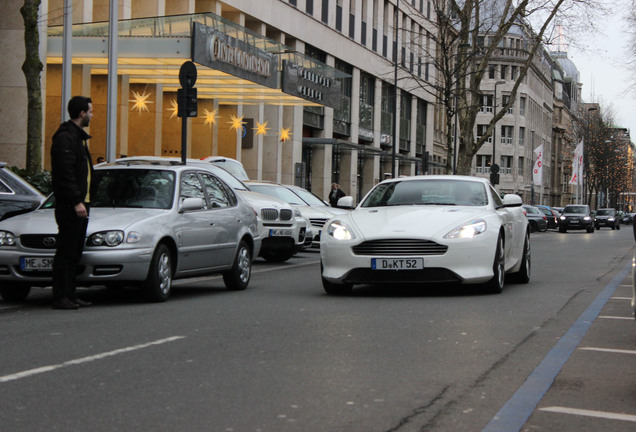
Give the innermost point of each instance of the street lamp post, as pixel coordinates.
(494, 168)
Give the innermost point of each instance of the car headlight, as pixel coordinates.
(563, 218)
(587, 218)
(297, 213)
(133, 237)
(610, 219)
(468, 230)
(106, 238)
(340, 231)
(7, 238)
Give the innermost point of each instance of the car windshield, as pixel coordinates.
(133, 188)
(575, 209)
(279, 192)
(427, 192)
(308, 197)
(605, 212)
(233, 167)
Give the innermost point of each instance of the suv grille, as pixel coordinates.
(399, 247)
(318, 222)
(269, 214)
(286, 214)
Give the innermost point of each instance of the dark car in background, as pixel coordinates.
(606, 217)
(577, 217)
(537, 221)
(17, 196)
(552, 216)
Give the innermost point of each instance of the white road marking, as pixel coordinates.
(609, 350)
(43, 369)
(616, 317)
(621, 298)
(591, 413)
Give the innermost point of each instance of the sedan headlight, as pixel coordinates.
(106, 238)
(563, 218)
(7, 238)
(468, 230)
(340, 231)
(611, 219)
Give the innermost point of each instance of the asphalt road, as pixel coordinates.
(283, 356)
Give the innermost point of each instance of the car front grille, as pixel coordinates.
(399, 247)
(318, 222)
(38, 241)
(269, 214)
(286, 214)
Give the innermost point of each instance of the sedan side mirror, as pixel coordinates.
(512, 200)
(191, 204)
(346, 202)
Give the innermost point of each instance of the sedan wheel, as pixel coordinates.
(159, 281)
(14, 292)
(523, 275)
(496, 284)
(238, 277)
(335, 289)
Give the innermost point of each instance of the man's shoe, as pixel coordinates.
(65, 303)
(81, 303)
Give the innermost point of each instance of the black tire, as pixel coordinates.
(523, 275)
(496, 284)
(238, 277)
(14, 292)
(335, 289)
(277, 255)
(533, 226)
(544, 228)
(158, 283)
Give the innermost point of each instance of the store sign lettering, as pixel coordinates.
(219, 50)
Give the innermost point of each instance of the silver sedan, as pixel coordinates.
(148, 226)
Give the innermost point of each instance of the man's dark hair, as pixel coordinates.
(77, 104)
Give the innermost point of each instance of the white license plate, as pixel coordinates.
(36, 263)
(280, 232)
(397, 263)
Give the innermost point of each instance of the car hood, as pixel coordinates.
(259, 201)
(43, 221)
(412, 221)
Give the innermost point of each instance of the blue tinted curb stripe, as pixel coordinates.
(514, 414)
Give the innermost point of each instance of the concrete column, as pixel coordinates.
(158, 119)
(122, 101)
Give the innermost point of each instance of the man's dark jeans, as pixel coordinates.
(70, 243)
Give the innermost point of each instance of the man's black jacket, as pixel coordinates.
(70, 162)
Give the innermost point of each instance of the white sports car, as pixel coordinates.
(427, 229)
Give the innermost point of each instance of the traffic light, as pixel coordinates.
(494, 178)
(191, 104)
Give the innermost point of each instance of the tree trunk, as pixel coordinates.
(32, 68)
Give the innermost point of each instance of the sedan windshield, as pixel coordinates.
(605, 212)
(427, 192)
(279, 192)
(133, 188)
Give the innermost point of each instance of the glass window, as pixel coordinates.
(191, 187)
(133, 188)
(217, 194)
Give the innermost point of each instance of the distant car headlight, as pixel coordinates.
(340, 231)
(587, 218)
(610, 219)
(7, 238)
(106, 238)
(468, 230)
(563, 218)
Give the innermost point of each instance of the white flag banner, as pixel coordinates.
(577, 165)
(537, 171)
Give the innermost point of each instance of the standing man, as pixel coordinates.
(335, 194)
(71, 169)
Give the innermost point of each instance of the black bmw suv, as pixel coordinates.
(576, 216)
(607, 217)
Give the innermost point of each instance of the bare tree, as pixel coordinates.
(468, 35)
(32, 68)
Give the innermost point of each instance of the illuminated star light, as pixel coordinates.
(174, 108)
(236, 122)
(261, 128)
(284, 134)
(140, 101)
(210, 116)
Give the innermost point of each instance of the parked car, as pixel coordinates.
(552, 216)
(17, 196)
(282, 228)
(427, 229)
(628, 218)
(536, 219)
(606, 217)
(230, 165)
(313, 208)
(148, 225)
(578, 217)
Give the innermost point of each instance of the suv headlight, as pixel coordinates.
(106, 238)
(340, 231)
(468, 230)
(7, 238)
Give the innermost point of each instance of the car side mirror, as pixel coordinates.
(346, 202)
(191, 204)
(512, 200)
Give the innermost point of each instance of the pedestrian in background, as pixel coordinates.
(335, 194)
(71, 169)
